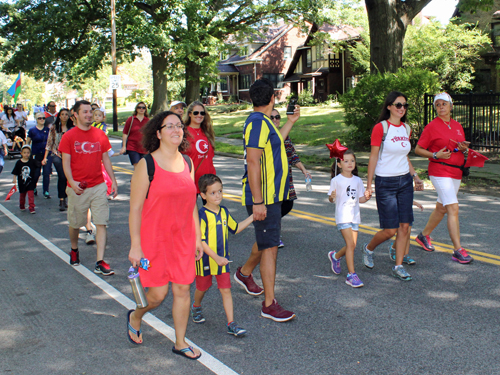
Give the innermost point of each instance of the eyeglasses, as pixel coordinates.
(170, 127)
(277, 117)
(400, 105)
(196, 113)
(141, 107)
(51, 105)
(40, 118)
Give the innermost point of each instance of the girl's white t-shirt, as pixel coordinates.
(348, 192)
(9, 123)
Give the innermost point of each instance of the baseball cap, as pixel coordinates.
(175, 102)
(26, 146)
(443, 96)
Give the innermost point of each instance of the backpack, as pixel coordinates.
(151, 168)
(385, 126)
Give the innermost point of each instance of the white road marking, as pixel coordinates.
(206, 359)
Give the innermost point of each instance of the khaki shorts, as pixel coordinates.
(78, 205)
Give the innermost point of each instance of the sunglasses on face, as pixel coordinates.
(40, 118)
(277, 117)
(196, 113)
(400, 105)
(141, 107)
(51, 106)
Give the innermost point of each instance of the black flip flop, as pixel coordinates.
(132, 329)
(183, 352)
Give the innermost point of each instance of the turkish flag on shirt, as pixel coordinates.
(475, 159)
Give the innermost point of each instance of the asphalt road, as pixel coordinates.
(59, 319)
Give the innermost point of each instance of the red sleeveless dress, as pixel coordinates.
(168, 236)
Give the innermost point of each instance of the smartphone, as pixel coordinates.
(291, 106)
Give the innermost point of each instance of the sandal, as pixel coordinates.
(133, 330)
(183, 352)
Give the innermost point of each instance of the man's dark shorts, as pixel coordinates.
(268, 231)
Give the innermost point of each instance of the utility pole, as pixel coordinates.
(113, 63)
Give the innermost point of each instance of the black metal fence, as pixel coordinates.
(479, 115)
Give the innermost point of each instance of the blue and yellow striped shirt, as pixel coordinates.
(215, 228)
(259, 132)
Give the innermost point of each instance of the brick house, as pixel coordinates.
(286, 56)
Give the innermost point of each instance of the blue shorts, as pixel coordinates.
(268, 231)
(394, 200)
(354, 226)
(134, 156)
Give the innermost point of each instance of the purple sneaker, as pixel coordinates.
(354, 281)
(461, 256)
(335, 263)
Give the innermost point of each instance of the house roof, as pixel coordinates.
(341, 32)
(226, 68)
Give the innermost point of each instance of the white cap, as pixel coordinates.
(26, 146)
(175, 102)
(443, 96)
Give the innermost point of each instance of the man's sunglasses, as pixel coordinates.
(277, 117)
(400, 105)
(141, 107)
(196, 113)
(51, 105)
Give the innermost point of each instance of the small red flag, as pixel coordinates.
(475, 159)
(12, 191)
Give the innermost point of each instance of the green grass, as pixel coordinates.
(230, 149)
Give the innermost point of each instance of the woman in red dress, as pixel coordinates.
(164, 227)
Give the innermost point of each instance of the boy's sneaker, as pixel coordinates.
(248, 283)
(281, 244)
(90, 238)
(425, 242)
(22, 208)
(233, 329)
(392, 252)
(46, 195)
(461, 256)
(197, 314)
(32, 211)
(400, 273)
(335, 263)
(409, 260)
(367, 257)
(354, 281)
(276, 312)
(104, 268)
(74, 257)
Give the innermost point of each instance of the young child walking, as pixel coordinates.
(347, 191)
(24, 176)
(215, 223)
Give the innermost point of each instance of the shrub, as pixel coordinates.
(362, 104)
(305, 98)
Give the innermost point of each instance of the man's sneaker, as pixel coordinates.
(354, 281)
(233, 329)
(90, 238)
(74, 257)
(409, 260)
(461, 256)
(276, 312)
(197, 314)
(335, 263)
(32, 211)
(248, 283)
(22, 208)
(46, 195)
(400, 273)
(392, 252)
(367, 257)
(425, 242)
(104, 268)
(281, 244)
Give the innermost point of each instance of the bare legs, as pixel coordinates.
(350, 238)
(452, 220)
(227, 301)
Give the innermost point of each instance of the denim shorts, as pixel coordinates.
(134, 156)
(394, 200)
(268, 231)
(354, 226)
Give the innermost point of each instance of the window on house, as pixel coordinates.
(287, 53)
(245, 51)
(245, 81)
(223, 84)
(319, 54)
(276, 79)
(308, 58)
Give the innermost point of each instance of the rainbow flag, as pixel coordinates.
(15, 89)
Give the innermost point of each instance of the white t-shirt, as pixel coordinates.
(393, 161)
(3, 140)
(9, 123)
(348, 192)
(20, 115)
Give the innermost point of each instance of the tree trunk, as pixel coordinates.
(193, 70)
(388, 20)
(160, 80)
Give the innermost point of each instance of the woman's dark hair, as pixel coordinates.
(57, 122)
(6, 110)
(135, 109)
(339, 170)
(150, 139)
(206, 126)
(207, 180)
(385, 113)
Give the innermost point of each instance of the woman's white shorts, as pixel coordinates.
(447, 189)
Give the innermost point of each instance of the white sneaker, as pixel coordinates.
(90, 238)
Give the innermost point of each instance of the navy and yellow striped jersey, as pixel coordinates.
(259, 132)
(215, 228)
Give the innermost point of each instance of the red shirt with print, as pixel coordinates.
(134, 139)
(201, 153)
(86, 149)
(435, 137)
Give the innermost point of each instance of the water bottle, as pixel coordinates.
(137, 289)
(308, 183)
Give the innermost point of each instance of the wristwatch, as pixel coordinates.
(434, 155)
(415, 175)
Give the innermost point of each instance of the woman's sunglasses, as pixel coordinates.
(40, 118)
(400, 105)
(196, 113)
(141, 107)
(277, 117)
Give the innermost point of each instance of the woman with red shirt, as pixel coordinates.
(201, 141)
(445, 172)
(132, 135)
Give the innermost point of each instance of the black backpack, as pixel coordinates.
(151, 168)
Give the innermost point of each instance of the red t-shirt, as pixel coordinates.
(134, 140)
(201, 152)
(435, 137)
(86, 149)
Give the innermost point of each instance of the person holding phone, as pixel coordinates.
(445, 173)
